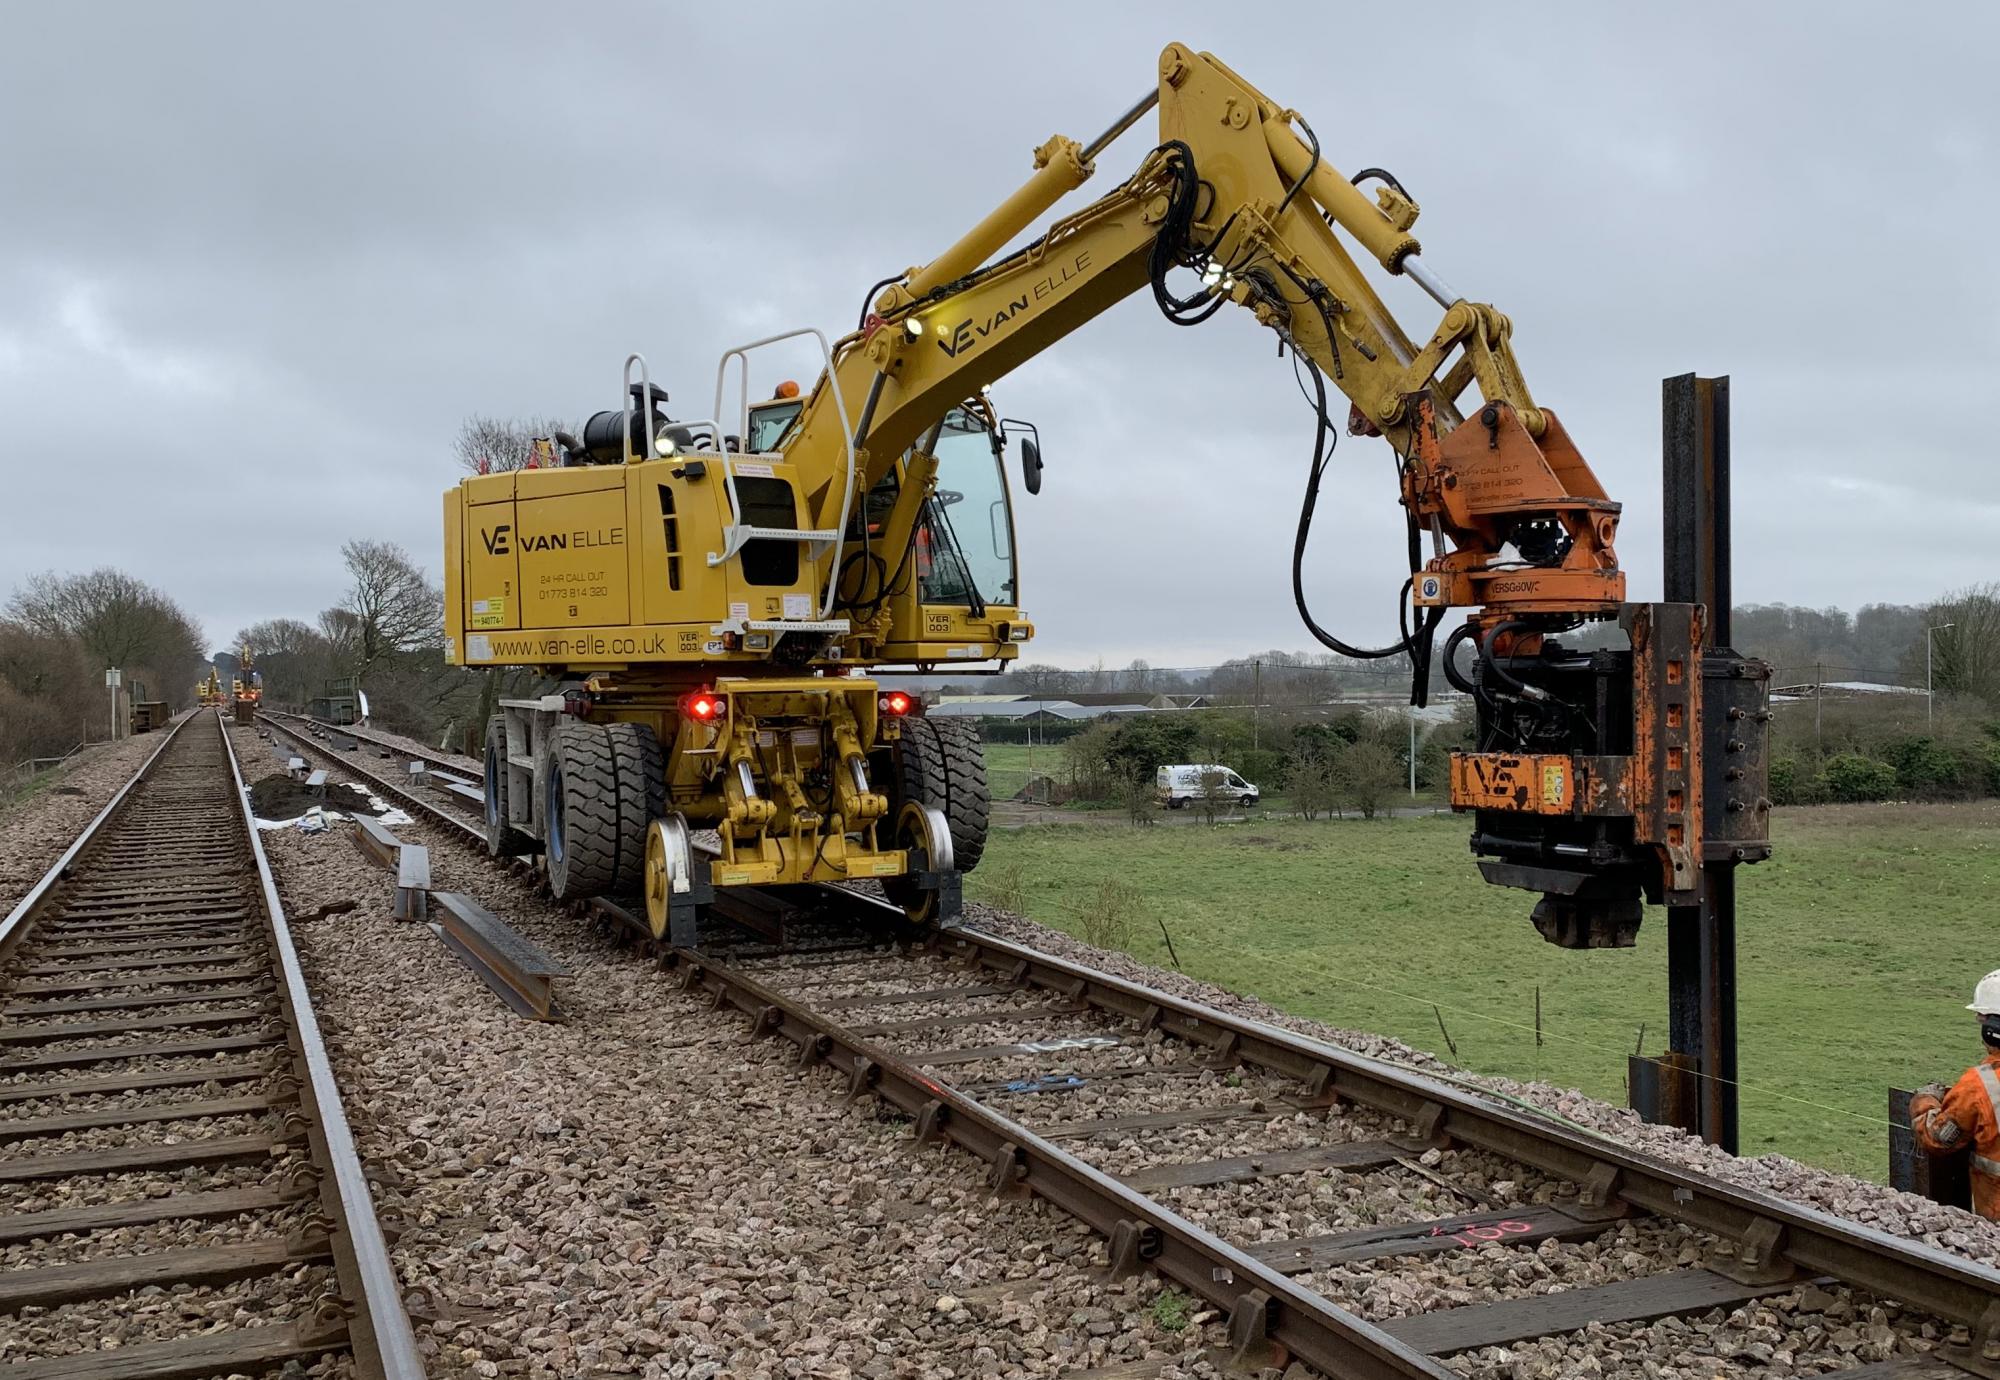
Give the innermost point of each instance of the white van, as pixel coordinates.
(1176, 786)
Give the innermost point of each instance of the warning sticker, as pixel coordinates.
(798, 606)
(478, 648)
(489, 613)
(753, 467)
(1555, 785)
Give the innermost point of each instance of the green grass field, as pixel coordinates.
(1858, 946)
(1007, 766)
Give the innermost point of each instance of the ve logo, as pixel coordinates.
(496, 540)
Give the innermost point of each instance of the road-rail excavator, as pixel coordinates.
(707, 595)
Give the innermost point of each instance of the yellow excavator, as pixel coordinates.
(208, 691)
(707, 594)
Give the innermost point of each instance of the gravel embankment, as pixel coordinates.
(470, 764)
(35, 829)
(641, 1191)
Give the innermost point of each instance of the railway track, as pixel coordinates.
(169, 1124)
(1181, 1132)
(452, 795)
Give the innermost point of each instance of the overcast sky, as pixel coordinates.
(257, 261)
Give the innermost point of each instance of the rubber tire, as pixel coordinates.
(503, 840)
(641, 768)
(581, 815)
(940, 762)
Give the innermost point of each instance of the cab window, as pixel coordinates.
(768, 425)
(966, 539)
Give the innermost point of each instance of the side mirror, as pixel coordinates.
(1031, 451)
(1031, 464)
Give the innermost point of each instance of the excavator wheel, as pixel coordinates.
(503, 840)
(581, 812)
(641, 769)
(939, 763)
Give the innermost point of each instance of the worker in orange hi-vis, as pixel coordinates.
(1967, 1115)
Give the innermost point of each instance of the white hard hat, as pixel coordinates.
(1986, 996)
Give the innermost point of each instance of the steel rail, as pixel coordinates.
(18, 918)
(1264, 1306)
(444, 761)
(360, 1250)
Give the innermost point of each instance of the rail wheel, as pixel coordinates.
(938, 762)
(503, 840)
(669, 869)
(641, 770)
(922, 831)
(581, 813)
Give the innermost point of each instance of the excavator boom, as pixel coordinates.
(1239, 190)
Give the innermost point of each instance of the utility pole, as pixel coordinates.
(1031, 746)
(1928, 709)
(1819, 698)
(1256, 703)
(1413, 751)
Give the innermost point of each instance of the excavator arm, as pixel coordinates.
(1592, 784)
(1239, 190)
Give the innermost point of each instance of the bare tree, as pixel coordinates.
(281, 637)
(1216, 797)
(342, 632)
(1367, 772)
(1140, 799)
(49, 693)
(1312, 781)
(117, 620)
(1966, 655)
(294, 658)
(1041, 681)
(498, 444)
(393, 606)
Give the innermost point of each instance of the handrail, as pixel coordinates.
(625, 391)
(741, 353)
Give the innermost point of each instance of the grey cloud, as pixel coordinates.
(256, 262)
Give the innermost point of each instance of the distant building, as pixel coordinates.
(1026, 710)
(1839, 690)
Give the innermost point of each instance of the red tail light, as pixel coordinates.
(704, 706)
(895, 702)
